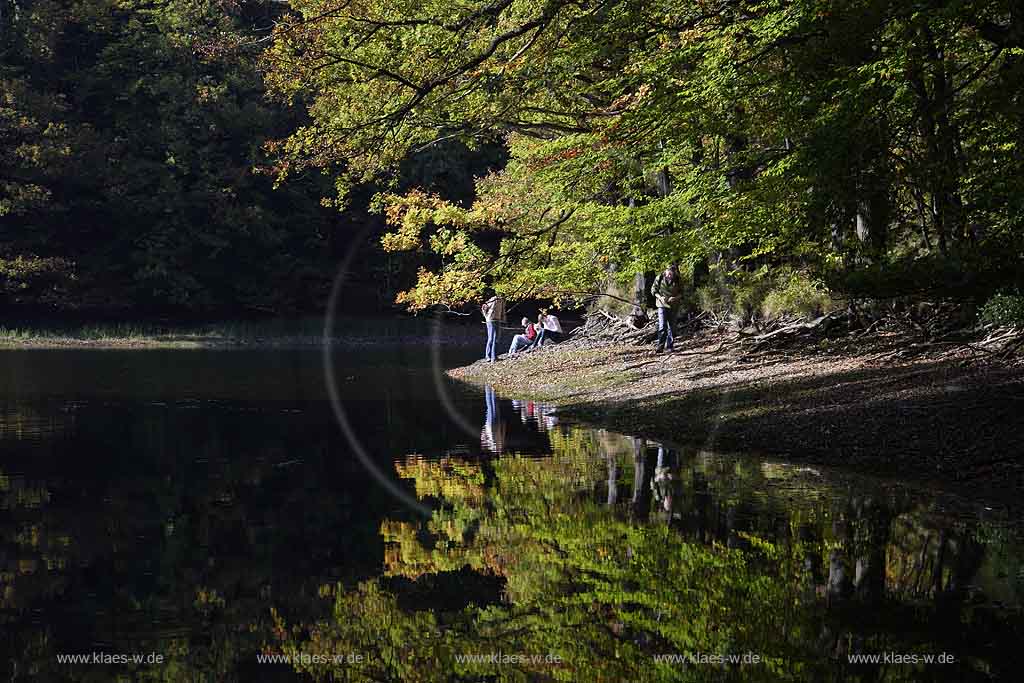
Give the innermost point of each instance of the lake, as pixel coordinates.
(212, 515)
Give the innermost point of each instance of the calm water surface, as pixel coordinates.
(205, 509)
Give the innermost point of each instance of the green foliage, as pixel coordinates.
(764, 293)
(1003, 309)
(820, 134)
(46, 278)
(127, 150)
(740, 293)
(796, 294)
(852, 140)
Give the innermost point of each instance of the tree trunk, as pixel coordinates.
(838, 587)
(940, 564)
(941, 141)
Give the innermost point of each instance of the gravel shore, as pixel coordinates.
(942, 419)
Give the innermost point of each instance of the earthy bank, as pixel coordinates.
(948, 419)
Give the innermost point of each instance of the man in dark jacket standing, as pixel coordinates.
(668, 292)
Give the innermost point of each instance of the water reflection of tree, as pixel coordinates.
(149, 569)
(596, 580)
(138, 549)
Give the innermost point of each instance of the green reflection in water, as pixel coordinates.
(611, 555)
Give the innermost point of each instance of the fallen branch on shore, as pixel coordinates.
(912, 334)
(799, 328)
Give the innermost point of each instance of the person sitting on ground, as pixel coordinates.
(668, 292)
(522, 341)
(539, 326)
(549, 329)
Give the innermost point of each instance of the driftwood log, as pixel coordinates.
(913, 333)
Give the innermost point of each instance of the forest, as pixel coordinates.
(198, 156)
(134, 169)
(234, 424)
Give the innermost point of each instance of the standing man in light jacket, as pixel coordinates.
(494, 314)
(668, 292)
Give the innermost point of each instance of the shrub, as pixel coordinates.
(796, 294)
(714, 298)
(749, 293)
(1003, 309)
(739, 293)
(769, 294)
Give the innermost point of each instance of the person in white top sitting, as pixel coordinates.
(549, 329)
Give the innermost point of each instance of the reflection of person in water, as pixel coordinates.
(492, 437)
(641, 503)
(546, 418)
(661, 483)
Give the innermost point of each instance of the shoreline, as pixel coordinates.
(214, 343)
(934, 419)
(272, 333)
